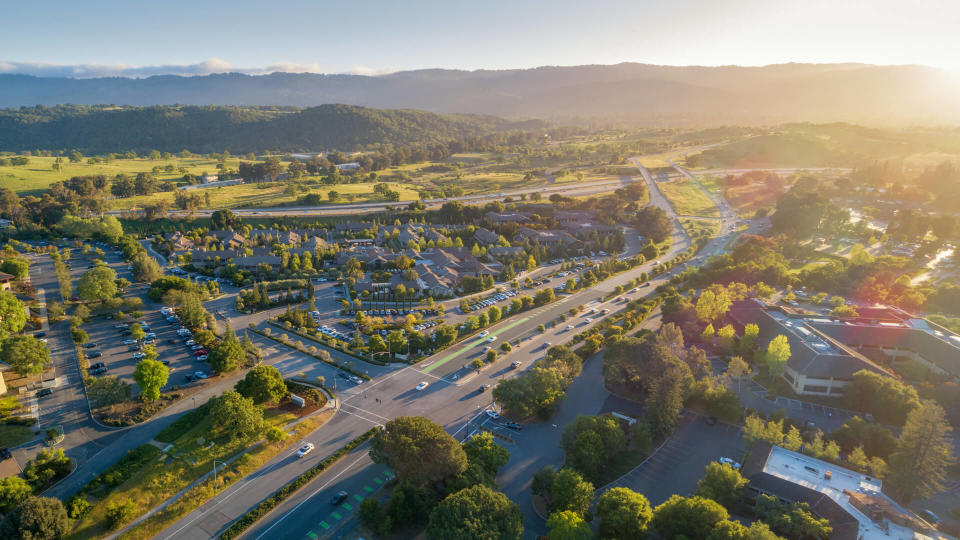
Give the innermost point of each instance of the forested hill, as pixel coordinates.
(101, 129)
(624, 93)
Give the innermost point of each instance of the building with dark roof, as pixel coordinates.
(853, 503)
(819, 364)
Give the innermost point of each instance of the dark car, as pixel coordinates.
(190, 377)
(5, 453)
(90, 345)
(94, 354)
(339, 497)
(98, 365)
(513, 425)
(44, 392)
(39, 335)
(98, 371)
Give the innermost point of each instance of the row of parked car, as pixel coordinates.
(491, 300)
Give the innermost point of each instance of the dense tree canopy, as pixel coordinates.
(623, 513)
(418, 450)
(475, 513)
(263, 384)
(37, 518)
(27, 354)
(13, 315)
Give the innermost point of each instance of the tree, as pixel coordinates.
(13, 315)
(888, 399)
(18, 268)
(13, 491)
(108, 390)
(749, 339)
(482, 450)
(590, 442)
(418, 450)
(137, 332)
(225, 219)
(119, 513)
(238, 415)
(27, 354)
(778, 352)
(227, 355)
(924, 452)
(567, 525)
(276, 435)
(623, 513)
(79, 335)
(570, 492)
(476, 512)
(37, 518)
(49, 465)
(791, 520)
(733, 530)
(792, 440)
(263, 384)
(688, 517)
(98, 283)
(376, 344)
(150, 376)
(145, 268)
(722, 483)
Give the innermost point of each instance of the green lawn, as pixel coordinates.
(191, 458)
(687, 199)
(11, 436)
(698, 227)
(39, 174)
(713, 184)
(270, 194)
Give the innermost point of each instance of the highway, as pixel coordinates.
(453, 399)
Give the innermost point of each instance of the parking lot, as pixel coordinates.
(682, 460)
(119, 359)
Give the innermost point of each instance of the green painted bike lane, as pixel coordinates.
(346, 508)
(471, 345)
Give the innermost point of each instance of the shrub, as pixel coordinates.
(119, 513)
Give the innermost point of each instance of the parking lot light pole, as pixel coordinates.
(215, 473)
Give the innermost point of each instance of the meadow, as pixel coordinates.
(687, 198)
(39, 173)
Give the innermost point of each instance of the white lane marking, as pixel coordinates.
(365, 411)
(318, 490)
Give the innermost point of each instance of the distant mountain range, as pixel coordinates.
(627, 93)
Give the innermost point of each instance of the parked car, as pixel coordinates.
(129, 342)
(190, 377)
(97, 365)
(94, 354)
(39, 334)
(139, 356)
(202, 357)
(200, 375)
(44, 392)
(98, 371)
(199, 352)
(89, 345)
(730, 462)
(492, 413)
(305, 449)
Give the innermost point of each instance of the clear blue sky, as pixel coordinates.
(90, 37)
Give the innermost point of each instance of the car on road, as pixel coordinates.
(484, 333)
(569, 327)
(44, 392)
(492, 413)
(588, 320)
(94, 354)
(422, 385)
(484, 387)
(491, 339)
(339, 497)
(305, 449)
(515, 364)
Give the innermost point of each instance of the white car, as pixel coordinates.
(569, 327)
(138, 355)
(129, 342)
(422, 385)
(491, 339)
(202, 357)
(305, 449)
(484, 333)
(492, 414)
(200, 375)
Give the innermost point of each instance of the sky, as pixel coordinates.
(137, 38)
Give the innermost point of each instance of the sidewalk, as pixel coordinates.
(331, 404)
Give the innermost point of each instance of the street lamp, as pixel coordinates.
(215, 473)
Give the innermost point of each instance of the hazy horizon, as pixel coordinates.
(369, 37)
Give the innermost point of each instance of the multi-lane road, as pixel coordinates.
(453, 399)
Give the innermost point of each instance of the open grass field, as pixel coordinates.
(746, 200)
(270, 194)
(11, 436)
(39, 174)
(157, 481)
(572, 179)
(712, 183)
(687, 199)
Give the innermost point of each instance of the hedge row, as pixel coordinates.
(122, 470)
(262, 509)
(183, 424)
(349, 352)
(332, 362)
